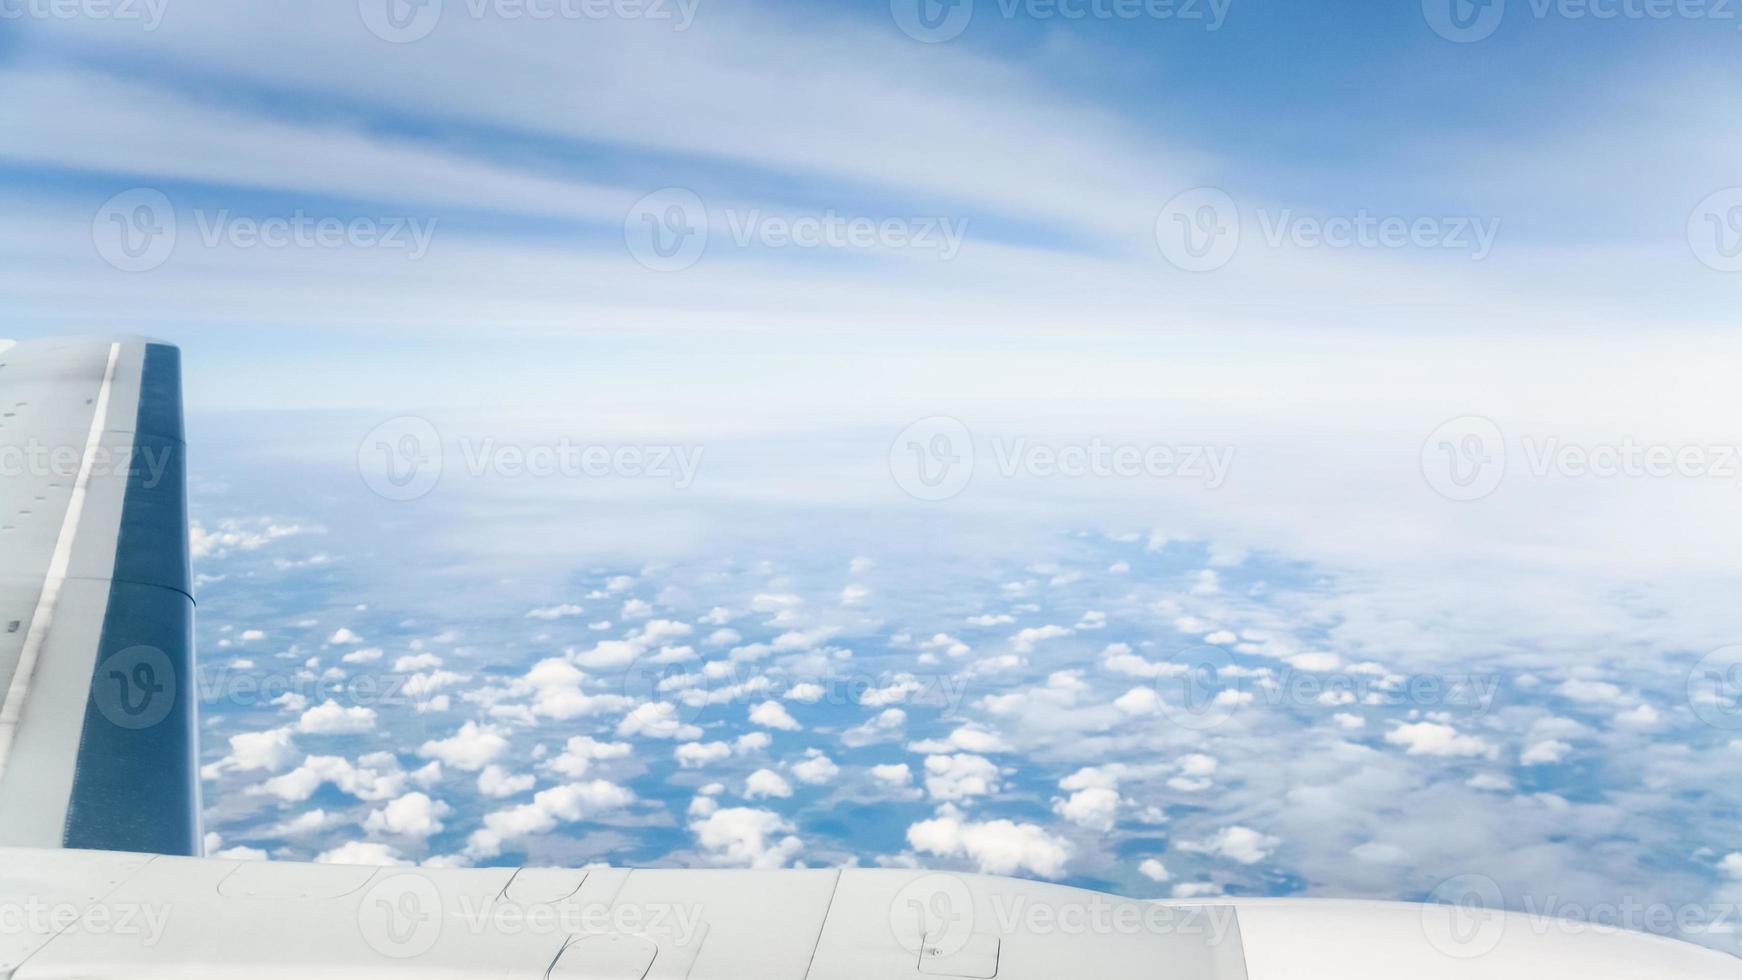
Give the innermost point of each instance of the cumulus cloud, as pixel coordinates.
(766, 783)
(470, 749)
(695, 755)
(960, 776)
(1239, 844)
(496, 783)
(581, 751)
(366, 853)
(657, 719)
(772, 714)
(548, 809)
(747, 838)
(815, 769)
(330, 718)
(413, 815)
(998, 847)
(1435, 739)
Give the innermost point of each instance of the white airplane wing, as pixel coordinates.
(97, 741)
(98, 797)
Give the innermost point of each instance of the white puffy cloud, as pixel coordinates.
(1240, 844)
(1025, 639)
(581, 751)
(1589, 691)
(1546, 752)
(1432, 738)
(805, 693)
(330, 718)
(1139, 702)
(412, 815)
(897, 776)
(1095, 808)
(772, 714)
(998, 847)
(816, 769)
(1154, 870)
(366, 853)
(270, 750)
(657, 719)
(496, 782)
(748, 838)
(766, 783)
(470, 749)
(960, 776)
(548, 809)
(371, 779)
(694, 755)
(552, 613)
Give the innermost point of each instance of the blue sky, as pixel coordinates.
(1410, 286)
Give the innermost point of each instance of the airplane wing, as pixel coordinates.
(98, 747)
